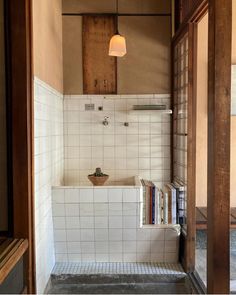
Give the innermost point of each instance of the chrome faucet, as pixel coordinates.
(105, 121)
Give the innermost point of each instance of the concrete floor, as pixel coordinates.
(201, 258)
(119, 278)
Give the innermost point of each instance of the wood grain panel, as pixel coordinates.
(219, 105)
(99, 69)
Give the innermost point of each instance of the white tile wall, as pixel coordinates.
(142, 149)
(48, 113)
(104, 226)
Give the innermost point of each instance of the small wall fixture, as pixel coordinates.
(117, 45)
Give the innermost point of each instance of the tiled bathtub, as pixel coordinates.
(103, 224)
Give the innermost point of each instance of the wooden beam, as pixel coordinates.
(191, 147)
(20, 93)
(219, 87)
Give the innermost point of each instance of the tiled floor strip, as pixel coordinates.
(116, 268)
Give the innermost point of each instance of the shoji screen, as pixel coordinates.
(180, 116)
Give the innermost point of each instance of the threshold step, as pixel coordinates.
(125, 268)
(117, 278)
(137, 288)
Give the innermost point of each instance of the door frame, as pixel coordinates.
(19, 92)
(218, 128)
(188, 237)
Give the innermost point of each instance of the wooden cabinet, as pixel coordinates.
(99, 69)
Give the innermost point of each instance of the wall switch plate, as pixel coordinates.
(89, 107)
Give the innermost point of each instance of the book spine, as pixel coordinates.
(174, 206)
(158, 207)
(153, 204)
(150, 204)
(177, 202)
(144, 203)
(147, 205)
(165, 209)
(156, 203)
(169, 207)
(162, 209)
(181, 206)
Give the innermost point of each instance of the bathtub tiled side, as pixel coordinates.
(103, 225)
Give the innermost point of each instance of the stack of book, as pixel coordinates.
(175, 193)
(152, 203)
(163, 207)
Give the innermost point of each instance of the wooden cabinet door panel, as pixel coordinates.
(99, 69)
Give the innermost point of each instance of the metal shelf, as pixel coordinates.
(148, 112)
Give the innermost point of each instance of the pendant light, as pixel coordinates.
(117, 45)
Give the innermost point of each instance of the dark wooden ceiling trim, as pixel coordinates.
(119, 14)
(196, 10)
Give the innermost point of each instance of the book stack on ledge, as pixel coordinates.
(165, 206)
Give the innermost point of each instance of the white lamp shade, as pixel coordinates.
(117, 46)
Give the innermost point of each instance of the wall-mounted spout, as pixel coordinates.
(105, 121)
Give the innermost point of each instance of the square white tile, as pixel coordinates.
(100, 195)
(101, 234)
(74, 247)
(73, 235)
(115, 195)
(87, 234)
(115, 222)
(58, 195)
(86, 195)
(129, 195)
(129, 222)
(59, 223)
(129, 234)
(101, 209)
(115, 235)
(73, 222)
(86, 209)
(101, 247)
(101, 222)
(86, 222)
(72, 195)
(87, 247)
(115, 209)
(72, 209)
(115, 247)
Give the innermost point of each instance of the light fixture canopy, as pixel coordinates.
(117, 45)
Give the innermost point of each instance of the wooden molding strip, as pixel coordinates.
(11, 255)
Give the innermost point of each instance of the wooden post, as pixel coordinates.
(219, 87)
